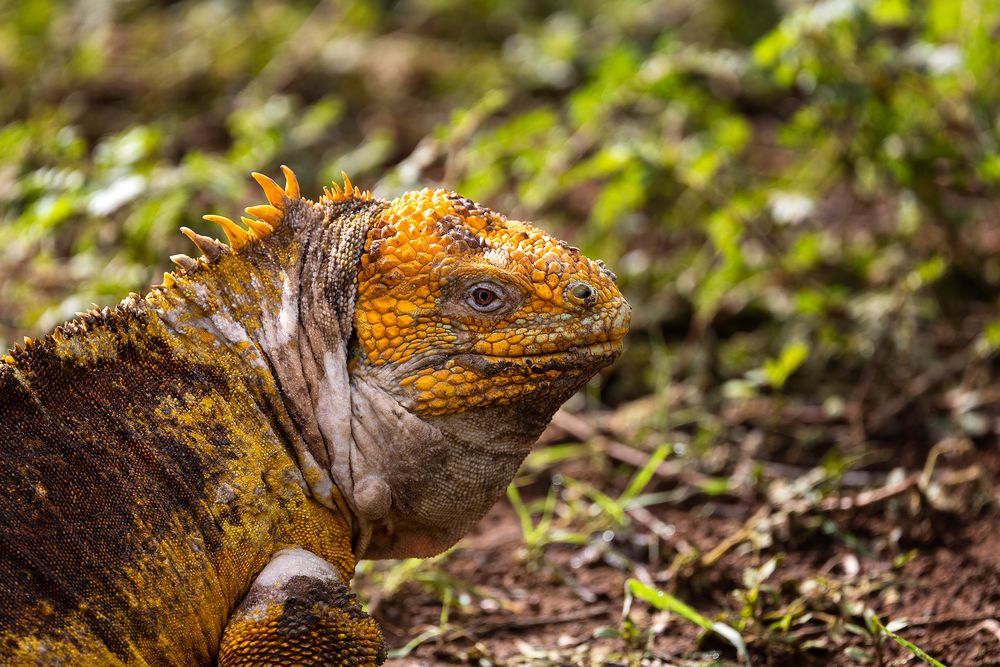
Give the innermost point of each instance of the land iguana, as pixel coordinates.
(190, 477)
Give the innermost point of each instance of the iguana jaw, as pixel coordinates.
(415, 485)
(419, 483)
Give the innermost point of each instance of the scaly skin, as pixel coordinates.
(192, 476)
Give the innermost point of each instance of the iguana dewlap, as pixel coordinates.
(191, 476)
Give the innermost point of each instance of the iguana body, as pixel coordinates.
(192, 476)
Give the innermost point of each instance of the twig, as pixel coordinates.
(917, 387)
(951, 620)
(667, 533)
(486, 627)
(667, 469)
(871, 496)
(989, 625)
(584, 431)
(745, 532)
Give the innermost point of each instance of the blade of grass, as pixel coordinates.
(876, 625)
(411, 645)
(644, 474)
(663, 600)
(523, 515)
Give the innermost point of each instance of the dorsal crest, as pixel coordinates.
(348, 192)
(260, 221)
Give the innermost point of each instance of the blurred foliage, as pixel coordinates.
(799, 198)
(788, 190)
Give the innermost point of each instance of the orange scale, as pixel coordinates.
(465, 389)
(424, 254)
(444, 390)
(383, 303)
(388, 260)
(406, 253)
(424, 382)
(405, 306)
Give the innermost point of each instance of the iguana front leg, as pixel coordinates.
(299, 611)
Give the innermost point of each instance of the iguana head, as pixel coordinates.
(460, 309)
(422, 344)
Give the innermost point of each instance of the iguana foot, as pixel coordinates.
(299, 611)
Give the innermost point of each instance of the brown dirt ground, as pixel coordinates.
(949, 592)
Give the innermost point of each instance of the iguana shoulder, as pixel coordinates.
(347, 377)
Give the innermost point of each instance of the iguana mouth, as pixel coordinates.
(575, 357)
(587, 353)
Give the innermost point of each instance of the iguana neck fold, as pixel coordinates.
(285, 306)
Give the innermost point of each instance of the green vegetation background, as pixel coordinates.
(799, 198)
(784, 188)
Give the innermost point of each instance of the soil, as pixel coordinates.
(942, 576)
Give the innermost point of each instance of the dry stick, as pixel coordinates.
(744, 533)
(870, 497)
(665, 532)
(862, 499)
(484, 628)
(989, 625)
(584, 431)
(919, 385)
(950, 620)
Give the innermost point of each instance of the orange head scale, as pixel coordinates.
(477, 311)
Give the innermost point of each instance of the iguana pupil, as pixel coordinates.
(484, 297)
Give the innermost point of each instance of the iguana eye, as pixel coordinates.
(484, 297)
(581, 293)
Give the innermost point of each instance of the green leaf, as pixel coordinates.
(874, 623)
(644, 474)
(666, 601)
(777, 371)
